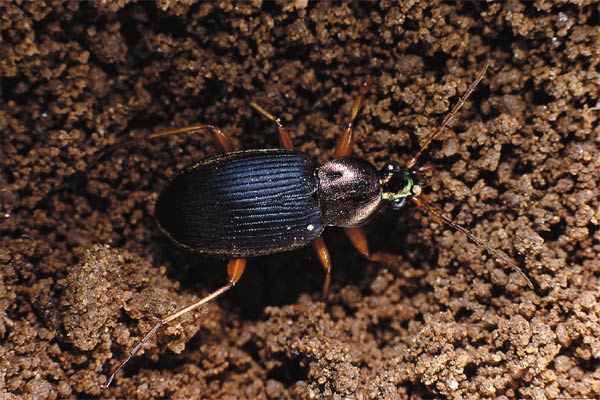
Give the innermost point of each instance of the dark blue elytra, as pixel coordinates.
(243, 203)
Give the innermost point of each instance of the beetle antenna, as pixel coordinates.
(423, 203)
(448, 117)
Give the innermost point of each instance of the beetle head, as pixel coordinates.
(399, 184)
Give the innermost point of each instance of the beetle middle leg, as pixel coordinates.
(235, 269)
(222, 140)
(218, 135)
(318, 244)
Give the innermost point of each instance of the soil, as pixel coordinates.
(84, 269)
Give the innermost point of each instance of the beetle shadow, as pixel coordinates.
(273, 280)
(280, 279)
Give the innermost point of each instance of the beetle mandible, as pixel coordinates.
(240, 204)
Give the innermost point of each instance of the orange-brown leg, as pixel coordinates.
(359, 241)
(323, 253)
(344, 143)
(284, 137)
(219, 136)
(235, 269)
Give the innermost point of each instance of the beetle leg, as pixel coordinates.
(344, 144)
(323, 253)
(284, 137)
(359, 241)
(218, 135)
(235, 269)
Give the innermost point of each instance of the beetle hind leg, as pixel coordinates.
(235, 269)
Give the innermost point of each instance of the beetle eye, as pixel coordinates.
(392, 166)
(399, 203)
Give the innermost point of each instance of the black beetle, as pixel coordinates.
(255, 202)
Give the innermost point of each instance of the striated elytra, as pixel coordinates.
(243, 204)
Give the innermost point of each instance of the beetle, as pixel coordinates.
(241, 204)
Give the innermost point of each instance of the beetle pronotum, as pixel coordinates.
(255, 202)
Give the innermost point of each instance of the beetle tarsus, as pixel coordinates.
(222, 140)
(134, 350)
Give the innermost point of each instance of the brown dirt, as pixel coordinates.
(84, 268)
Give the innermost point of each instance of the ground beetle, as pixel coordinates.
(241, 204)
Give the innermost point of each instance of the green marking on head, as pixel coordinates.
(391, 193)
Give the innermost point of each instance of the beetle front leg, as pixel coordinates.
(284, 137)
(235, 269)
(344, 144)
(323, 253)
(359, 241)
